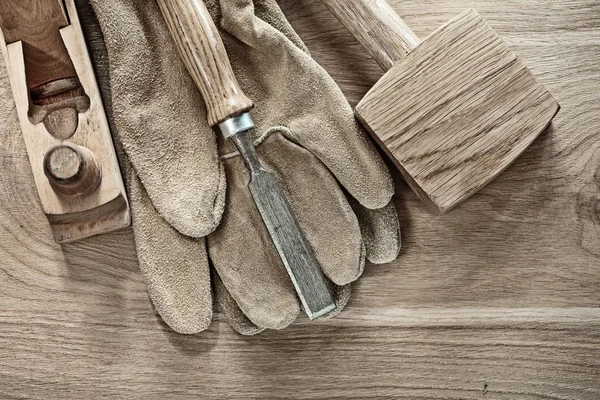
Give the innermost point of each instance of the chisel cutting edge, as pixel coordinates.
(204, 55)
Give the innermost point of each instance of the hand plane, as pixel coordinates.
(62, 118)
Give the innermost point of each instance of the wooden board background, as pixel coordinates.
(499, 299)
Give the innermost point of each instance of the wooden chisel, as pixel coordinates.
(205, 57)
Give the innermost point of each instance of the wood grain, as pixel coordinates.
(205, 57)
(70, 215)
(498, 299)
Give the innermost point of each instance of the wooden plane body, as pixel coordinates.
(64, 125)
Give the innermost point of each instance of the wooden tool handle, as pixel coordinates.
(377, 27)
(37, 24)
(72, 170)
(204, 55)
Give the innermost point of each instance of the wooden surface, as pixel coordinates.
(456, 111)
(205, 57)
(100, 207)
(498, 299)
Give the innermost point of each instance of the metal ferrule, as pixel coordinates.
(237, 124)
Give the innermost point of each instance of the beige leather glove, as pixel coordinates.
(176, 168)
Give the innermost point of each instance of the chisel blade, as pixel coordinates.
(291, 244)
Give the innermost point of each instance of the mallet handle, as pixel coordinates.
(205, 57)
(377, 27)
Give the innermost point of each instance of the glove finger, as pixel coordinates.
(341, 295)
(330, 132)
(236, 318)
(380, 230)
(243, 253)
(160, 117)
(174, 266)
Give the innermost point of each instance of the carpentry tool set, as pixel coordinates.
(452, 112)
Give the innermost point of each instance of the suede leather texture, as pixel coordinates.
(194, 219)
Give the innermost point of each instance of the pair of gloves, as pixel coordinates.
(194, 219)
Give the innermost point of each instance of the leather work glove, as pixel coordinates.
(176, 167)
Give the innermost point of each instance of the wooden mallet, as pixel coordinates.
(452, 111)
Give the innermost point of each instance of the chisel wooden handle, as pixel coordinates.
(377, 27)
(204, 55)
